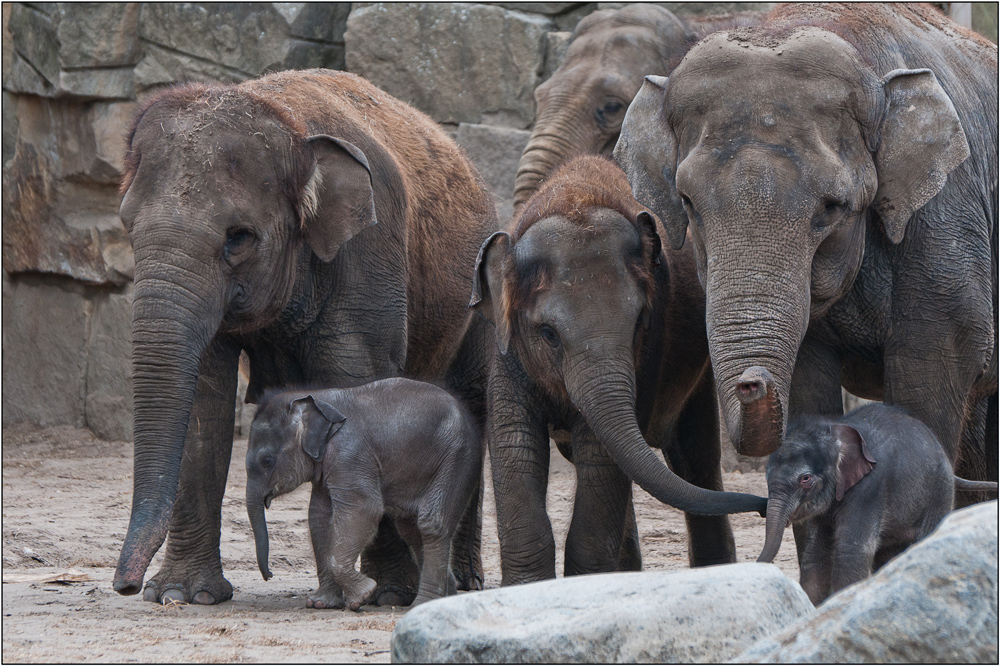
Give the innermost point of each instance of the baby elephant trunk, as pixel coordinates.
(778, 512)
(255, 511)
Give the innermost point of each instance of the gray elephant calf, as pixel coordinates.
(394, 447)
(864, 487)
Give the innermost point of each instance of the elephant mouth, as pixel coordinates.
(267, 500)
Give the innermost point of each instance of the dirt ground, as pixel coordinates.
(66, 501)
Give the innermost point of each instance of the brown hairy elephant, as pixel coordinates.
(601, 335)
(581, 107)
(837, 170)
(326, 229)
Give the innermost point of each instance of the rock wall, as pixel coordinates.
(72, 76)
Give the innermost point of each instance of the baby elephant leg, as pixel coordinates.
(353, 526)
(436, 579)
(328, 594)
(854, 554)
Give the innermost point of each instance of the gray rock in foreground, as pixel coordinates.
(935, 603)
(708, 614)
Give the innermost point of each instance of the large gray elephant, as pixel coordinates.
(581, 106)
(845, 224)
(601, 335)
(330, 232)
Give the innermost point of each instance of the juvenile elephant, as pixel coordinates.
(581, 107)
(844, 222)
(397, 447)
(863, 488)
(600, 334)
(327, 230)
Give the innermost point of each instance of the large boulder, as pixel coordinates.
(109, 367)
(60, 192)
(697, 615)
(935, 603)
(459, 63)
(74, 49)
(233, 42)
(495, 151)
(44, 354)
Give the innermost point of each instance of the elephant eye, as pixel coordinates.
(807, 481)
(549, 335)
(267, 461)
(833, 210)
(612, 106)
(238, 241)
(689, 209)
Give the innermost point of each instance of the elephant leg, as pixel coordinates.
(976, 461)
(816, 380)
(192, 565)
(694, 454)
(631, 555)
(814, 547)
(519, 456)
(603, 496)
(467, 380)
(329, 594)
(389, 560)
(350, 529)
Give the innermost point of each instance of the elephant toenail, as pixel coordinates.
(171, 596)
(149, 594)
(204, 598)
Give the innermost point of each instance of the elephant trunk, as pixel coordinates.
(171, 328)
(604, 392)
(779, 510)
(255, 512)
(556, 139)
(754, 340)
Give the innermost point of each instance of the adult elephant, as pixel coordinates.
(321, 226)
(581, 106)
(845, 224)
(601, 335)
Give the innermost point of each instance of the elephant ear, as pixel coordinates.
(316, 422)
(337, 202)
(487, 285)
(922, 141)
(854, 460)
(647, 152)
(647, 228)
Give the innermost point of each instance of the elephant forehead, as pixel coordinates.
(605, 238)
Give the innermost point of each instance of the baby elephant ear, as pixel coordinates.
(317, 422)
(487, 285)
(854, 459)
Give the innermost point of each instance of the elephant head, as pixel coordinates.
(288, 440)
(581, 107)
(779, 152)
(816, 465)
(572, 292)
(225, 196)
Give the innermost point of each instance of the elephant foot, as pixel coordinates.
(362, 594)
(389, 594)
(321, 599)
(468, 578)
(206, 590)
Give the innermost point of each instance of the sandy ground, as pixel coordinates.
(66, 500)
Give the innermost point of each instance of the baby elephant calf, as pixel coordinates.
(397, 447)
(859, 489)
